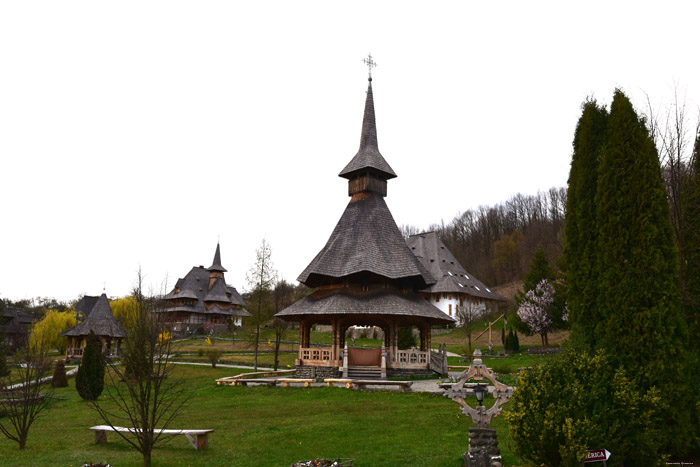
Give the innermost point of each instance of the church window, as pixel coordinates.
(449, 307)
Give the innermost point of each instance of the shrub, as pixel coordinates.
(90, 380)
(213, 355)
(59, 380)
(578, 401)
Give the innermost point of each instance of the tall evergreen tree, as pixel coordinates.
(638, 299)
(690, 250)
(90, 380)
(581, 233)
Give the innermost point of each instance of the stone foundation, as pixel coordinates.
(407, 373)
(317, 372)
(483, 449)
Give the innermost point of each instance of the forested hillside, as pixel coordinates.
(496, 243)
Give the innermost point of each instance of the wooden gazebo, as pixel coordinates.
(366, 275)
(97, 317)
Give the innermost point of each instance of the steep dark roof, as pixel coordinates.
(368, 157)
(15, 322)
(99, 320)
(350, 301)
(451, 276)
(85, 305)
(19, 316)
(366, 239)
(195, 285)
(216, 265)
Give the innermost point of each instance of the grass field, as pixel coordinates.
(261, 426)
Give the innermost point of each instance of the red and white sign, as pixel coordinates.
(597, 455)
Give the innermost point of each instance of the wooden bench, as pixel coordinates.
(331, 381)
(287, 381)
(361, 383)
(197, 438)
(246, 382)
(232, 380)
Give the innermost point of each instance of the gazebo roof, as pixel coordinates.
(349, 301)
(99, 320)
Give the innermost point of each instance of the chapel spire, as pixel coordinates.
(216, 266)
(368, 170)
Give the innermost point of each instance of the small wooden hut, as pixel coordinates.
(101, 321)
(366, 275)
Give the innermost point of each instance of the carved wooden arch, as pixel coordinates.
(478, 371)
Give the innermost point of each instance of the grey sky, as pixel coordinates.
(141, 132)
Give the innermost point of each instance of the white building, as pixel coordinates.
(456, 291)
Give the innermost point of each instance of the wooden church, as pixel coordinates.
(203, 301)
(366, 275)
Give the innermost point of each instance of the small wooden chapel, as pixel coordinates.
(366, 275)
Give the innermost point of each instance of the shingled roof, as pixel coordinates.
(451, 276)
(195, 285)
(366, 239)
(216, 265)
(85, 305)
(368, 157)
(351, 301)
(99, 320)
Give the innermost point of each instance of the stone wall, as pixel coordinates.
(306, 371)
(407, 373)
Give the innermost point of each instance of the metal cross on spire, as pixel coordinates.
(370, 64)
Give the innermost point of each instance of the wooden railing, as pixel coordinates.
(412, 358)
(438, 360)
(319, 354)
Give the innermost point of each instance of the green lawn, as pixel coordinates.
(261, 426)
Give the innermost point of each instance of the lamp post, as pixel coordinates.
(479, 393)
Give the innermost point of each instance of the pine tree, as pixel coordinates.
(640, 321)
(90, 379)
(581, 233)
(59, 380)
(539, 270)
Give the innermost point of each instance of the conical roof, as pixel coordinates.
(216, 266)
(368, 157)
(366, 239)
(100, 320)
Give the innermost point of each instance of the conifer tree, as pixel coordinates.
(638, 301)
(60, 379)
(90, 379)
(690, 251)
(580, 242)
(539, 270)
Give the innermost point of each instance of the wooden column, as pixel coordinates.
(336, 339)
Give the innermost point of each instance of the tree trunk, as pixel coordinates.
(257, 341)
(23, 440)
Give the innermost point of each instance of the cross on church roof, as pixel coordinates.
(370, 64)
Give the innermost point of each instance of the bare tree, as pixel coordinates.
(282, 297)
(674, 136)
(21, 399)
(140, 393)
(260, 279)
(467, 314)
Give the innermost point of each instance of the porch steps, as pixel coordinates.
(364, 372)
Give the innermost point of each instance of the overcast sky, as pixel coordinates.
(140, 133)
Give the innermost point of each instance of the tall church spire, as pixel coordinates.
(216, 266)
(368, 159)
